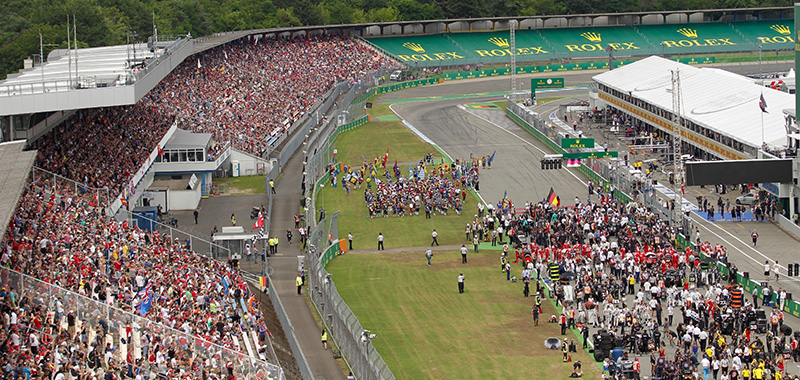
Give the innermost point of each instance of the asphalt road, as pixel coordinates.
(516, 167)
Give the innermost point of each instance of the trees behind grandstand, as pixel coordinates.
(109, 22)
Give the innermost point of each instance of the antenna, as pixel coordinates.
(41, 57)
(513, 37)
(69, 54)
(155, 35)
(677, 161)
(75, 39)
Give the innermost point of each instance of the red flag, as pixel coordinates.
(260, 221)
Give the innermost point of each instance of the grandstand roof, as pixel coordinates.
(183, 139)
(14, 173)
(716, 99)
(104, 65)
(105, 77)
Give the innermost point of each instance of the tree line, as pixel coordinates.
(113, 22)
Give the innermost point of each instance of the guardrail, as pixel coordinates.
(117, 321)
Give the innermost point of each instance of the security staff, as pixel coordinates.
(299, 282)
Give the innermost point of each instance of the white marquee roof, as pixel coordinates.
(713, 98)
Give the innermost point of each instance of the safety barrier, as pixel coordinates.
(117, 322)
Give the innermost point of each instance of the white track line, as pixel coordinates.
(526, 142)
(757, 261)
(428, 140)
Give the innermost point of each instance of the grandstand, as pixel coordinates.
(143, 284)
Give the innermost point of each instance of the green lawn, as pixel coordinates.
(413, 231)
(426, 330)
(380, 109)
(253, 184)
(374, 137)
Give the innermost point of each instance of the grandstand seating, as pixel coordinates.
(92, 269)
(88, 271)
(587, 42)
(242, 93)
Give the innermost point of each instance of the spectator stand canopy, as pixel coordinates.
(721, 114)
(106, 76)
(14, 173)
(235, 238)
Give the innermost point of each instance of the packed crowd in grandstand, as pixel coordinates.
(246, 93)
(63, 239)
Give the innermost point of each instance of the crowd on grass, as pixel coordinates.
(428, 188)
(62, 237)
(246, 93)
(612, 267)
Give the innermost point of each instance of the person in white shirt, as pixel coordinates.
(776, 270)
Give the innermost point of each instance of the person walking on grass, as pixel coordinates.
(434, 235)
(350, 241)
(460, 283)
(463, 254)
(380, 241)
(428, 255)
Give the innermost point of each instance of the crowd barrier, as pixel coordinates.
(118, 321)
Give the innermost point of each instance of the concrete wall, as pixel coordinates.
(184, 199)
(652, 20)
(248, 164)
(787, 225)
(531, 23)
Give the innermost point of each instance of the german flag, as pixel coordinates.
(552, 198)
(262, 282)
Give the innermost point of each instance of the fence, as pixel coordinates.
(288, 328)
(352, 339)
(42, 177)
(117, 321)
(350, 336)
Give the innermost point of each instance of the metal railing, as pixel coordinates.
(353, 340)
(41, 176)
(215, 251)
(117, 321)
(288, 328)
(121, 78)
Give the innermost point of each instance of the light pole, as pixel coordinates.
(662, 51)
(760, 48)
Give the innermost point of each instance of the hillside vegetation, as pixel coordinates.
(110, 22)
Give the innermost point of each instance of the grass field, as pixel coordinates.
(426, 330)
(414, 231)
(374, 137)
(404, 146)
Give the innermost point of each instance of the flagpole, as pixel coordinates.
(763, 104)
(762, 130)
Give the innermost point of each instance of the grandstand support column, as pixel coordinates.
(512, 26)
